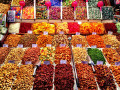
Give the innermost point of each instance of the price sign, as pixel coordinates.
(79, 22)
(45, 33)
(20, 45)
(5, 45)
(94, 33)
(11, 61)
(62, 45)
(99, 62)
(13, 33)
(63, 62)
(47, 62)
(117, 63)
(77, 33)
(108, 46)
(61, 32)
(29, 31)
(79, 45)
(34, 45)
(93, 46)
(48, 45)
(28, 62)
(84, 62)
(110, 32)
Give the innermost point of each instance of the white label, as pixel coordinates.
(62, 45)
(79, 45)
(45, 33)
(34, 45)
(48, 45)
(69, 38)
(99, 62)
(79, 22)
(63, 62)
(110, 32)
(5, 45)
(28, 62)
(77, 33)
(13, 33)
(93, 46)
(20, 45)
(93, 33)
(61, 32)
(29, 31)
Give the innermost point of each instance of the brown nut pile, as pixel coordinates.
(24, 79)
(7, 75)
(60, 39)
(80, 54)
(104, 78)
(79, 39)
(12, 40)
(86, 77)
(111, 55)
(116, 73)
(15, 54)
(118, 50)
(111, 40)
(3, 54)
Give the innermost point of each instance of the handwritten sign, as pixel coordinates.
(63, 62)
(5, 45)
(34, 45)
(99, 62)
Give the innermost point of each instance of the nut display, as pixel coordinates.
(104, 77)
(110, 27)
(60, 39)
(14, 28)
(27, 40)
(95, 40)
(41, 13)
(79, 39)
(15, 54)
(31, 54)
(4, 8)
(7, 75)
(24, 79)
(43, 40)
(12, 40)
(86, 77)
(40, 2)
(81, 56)
(24, 27)
(111, 55)
(47, 54)
(3, 54)
(62, 53)
(64, 79)
(96, 55)
(44, 78)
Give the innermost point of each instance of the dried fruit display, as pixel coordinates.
(104, 77)
(24, 27)
(60, 39)
(81, 56)
(62, 53)
(31, 54)
(64, 79)
(79, 39)
(95, 40)
(7, 75)
(41, 13)
(96, 55)
(14, 28)
(16, 55)
(111, 55)
(47, 54)
(44, 78)
(3, 54)
(110, 27)
(24, 79)
(118, 50)
(86, 77)
(43, 40)
(29, 2)
(12, 40)
(27, 40)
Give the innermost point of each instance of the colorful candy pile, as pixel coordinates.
(55, 2)
(14, 28)
(44, 77)
(62, 53)
(79, 39)
(93, 3)
(67, 2)
(104, 77)
(16, 2)
(111, 55)
(29, 2)
(96, 55)
(73, 27)
(17, 10)
(110, 27)
(81, 56)
(43, 40)
(41, 13)
(85, 77)
(40, 2)
(95, 40)
(12, 40)
(47, 54)
(39, 28)
(32, 55)
(28, 13)
(64, 79)
(54, 13)
(81, 3)
(24, 27)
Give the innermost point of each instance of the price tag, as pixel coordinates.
(93, 46)
(117, 63)
(62, 45)
(5, 45)
(29, 31)
(45, 33)
(69, 38)
(13, 33)
(99, 62)
(48, 45)
(79, 22)
(34, 45)
(11, 61)
(20, 45)
(77, 33)
(28, 62)
(94, 33)
(84, 62)
(110, 32)
(61, 32)
(63, 62)
(79, 45)
(108, 46)
(47, 62)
